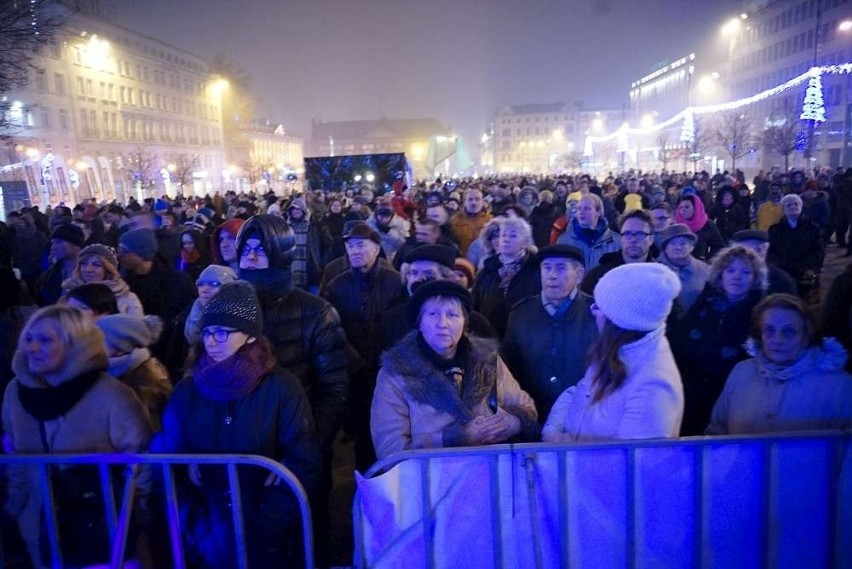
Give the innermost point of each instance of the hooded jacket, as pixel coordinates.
(416, 406)
(108, 418)
(813, 393)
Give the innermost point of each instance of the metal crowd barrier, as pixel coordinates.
(118, 522)
(759, 501)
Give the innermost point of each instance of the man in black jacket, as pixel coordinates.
(307, 337)
(549, 334)
(362, 296)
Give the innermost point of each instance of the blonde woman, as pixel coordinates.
(97, 264)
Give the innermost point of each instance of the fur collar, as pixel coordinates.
(429, 386)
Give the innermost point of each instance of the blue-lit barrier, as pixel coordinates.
(118, 521)
(763, 501)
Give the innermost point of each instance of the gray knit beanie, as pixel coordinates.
(235, 306)
(637, 296)
(217, 273)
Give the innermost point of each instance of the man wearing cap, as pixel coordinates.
(676, 244)
(362, 296)
(340, 265)
(162, 290)
(426, 263)
(467, 223)
(392, 229)
(549, 334)
(65, 244)
(758, 241)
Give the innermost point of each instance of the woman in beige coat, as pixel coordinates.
(440, 387)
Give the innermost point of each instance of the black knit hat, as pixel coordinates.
(69, 233)
(437, 288)
(440, 254)
(236, 306)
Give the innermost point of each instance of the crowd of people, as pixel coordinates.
(453, 313)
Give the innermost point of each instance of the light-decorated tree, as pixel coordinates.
(813, 107)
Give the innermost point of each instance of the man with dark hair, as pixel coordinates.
(426, 232)
(637, 237)
(467, 223)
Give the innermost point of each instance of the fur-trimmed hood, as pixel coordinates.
(829, 356)
(429, 386)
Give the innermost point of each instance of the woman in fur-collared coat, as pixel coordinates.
(440, 387)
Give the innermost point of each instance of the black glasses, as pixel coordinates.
(635, 235)
(219, 336)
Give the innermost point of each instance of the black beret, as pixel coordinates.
(437, 288)
(69, 233)
(563, 251)
(750, 234)
(440, 254)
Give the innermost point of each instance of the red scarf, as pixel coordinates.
(232, 378)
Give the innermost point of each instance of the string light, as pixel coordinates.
(839, 69)
(34, 16)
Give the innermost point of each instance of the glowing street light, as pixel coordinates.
(370, 177)
(732, 27)
(647, 120)
(597, 124)
(845, 26)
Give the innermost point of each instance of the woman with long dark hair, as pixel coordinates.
(632, 388)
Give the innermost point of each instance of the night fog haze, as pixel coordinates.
(453, 61)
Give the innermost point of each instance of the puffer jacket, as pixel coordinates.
(813, 393)
(416, 406)
(310, 343)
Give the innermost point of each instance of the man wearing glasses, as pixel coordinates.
(637, 236)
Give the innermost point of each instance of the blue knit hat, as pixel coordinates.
(142, 242)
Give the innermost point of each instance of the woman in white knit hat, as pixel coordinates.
(98, 264)
(632, 388)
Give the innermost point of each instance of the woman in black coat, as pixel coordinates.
(708, 342)
(238, 402)
(728, 213)
(508, 277)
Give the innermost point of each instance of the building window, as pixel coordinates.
(41, 81)
(89, 88)
(45, 117)
(81, 86)
(93, 122)
(59, 82)
(63, 119)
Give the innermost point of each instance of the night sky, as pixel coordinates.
(454, 60)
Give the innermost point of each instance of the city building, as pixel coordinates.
(261, 152)
(417, 138)
(110, 113)
(536, 138)
(773, 41)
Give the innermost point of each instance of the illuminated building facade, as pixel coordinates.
(110, 113)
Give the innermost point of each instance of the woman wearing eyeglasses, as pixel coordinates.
(238, 402)
(632, 387)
